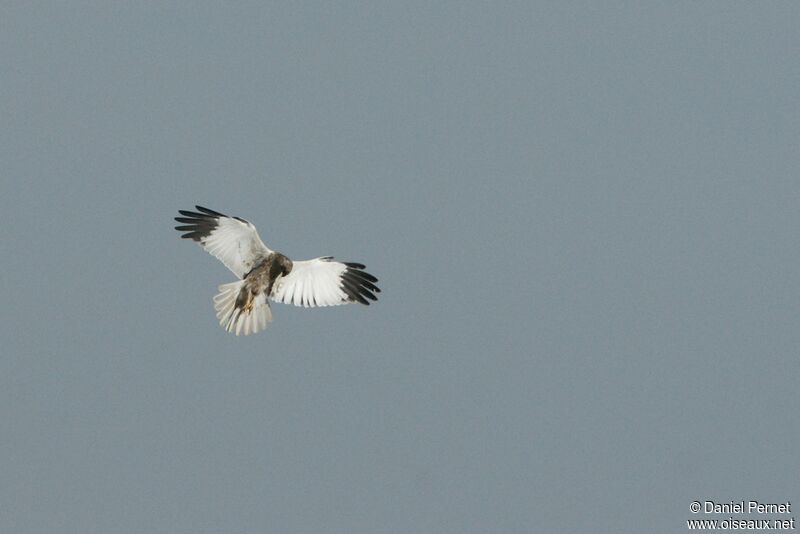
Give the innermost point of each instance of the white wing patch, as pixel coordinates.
(232, 240)
(323, 282)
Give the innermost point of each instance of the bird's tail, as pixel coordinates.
(241, 312)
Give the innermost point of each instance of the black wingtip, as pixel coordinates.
(197, 224)
(359, 285)
(209, 212)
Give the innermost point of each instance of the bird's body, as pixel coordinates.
(262, 277)
(243, 306)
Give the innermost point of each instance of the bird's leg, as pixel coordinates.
(244, 300)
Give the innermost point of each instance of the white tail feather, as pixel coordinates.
(237, 320)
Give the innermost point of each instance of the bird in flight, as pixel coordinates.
(243, 306)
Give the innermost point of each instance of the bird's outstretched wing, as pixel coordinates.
(232, 240)
(324, 282)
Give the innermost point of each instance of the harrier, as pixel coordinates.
(264, 275)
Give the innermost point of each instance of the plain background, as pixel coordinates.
(584, 216)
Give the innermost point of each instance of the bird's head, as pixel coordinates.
(285, 263)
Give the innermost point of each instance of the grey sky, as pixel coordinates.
(584, 218)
